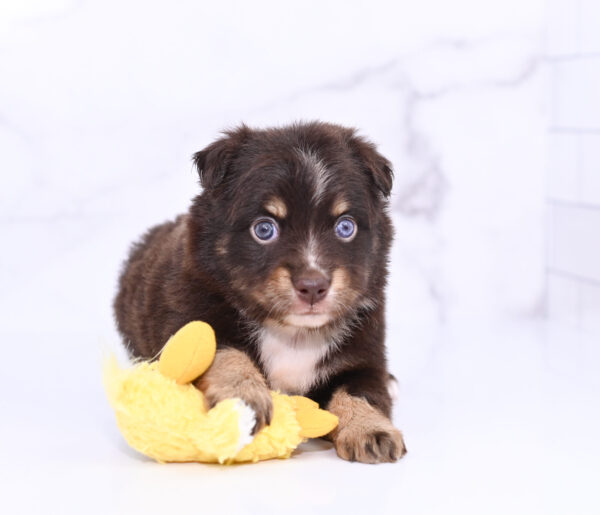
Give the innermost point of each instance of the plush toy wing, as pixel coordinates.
(188, 353)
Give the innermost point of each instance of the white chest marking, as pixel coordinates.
(290, 358)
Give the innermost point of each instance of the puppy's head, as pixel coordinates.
(292, 222)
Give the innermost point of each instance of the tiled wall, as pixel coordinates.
(573, 182)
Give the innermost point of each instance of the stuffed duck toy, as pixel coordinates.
(163, 416)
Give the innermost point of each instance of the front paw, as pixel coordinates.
(364, 433)
(255, 396)
(369, 445)
(234, 375)
(260, 401)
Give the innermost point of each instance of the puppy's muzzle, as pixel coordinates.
(311, 287)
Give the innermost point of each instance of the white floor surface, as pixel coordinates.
(498, 418)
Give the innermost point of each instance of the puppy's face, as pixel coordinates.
(296, 229)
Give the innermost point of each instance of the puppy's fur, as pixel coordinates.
(301, 311)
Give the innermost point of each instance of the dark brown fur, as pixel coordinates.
(206, 266)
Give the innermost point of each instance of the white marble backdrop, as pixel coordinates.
(103, 103)
(573, 175)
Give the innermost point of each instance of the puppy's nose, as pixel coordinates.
(312, 287)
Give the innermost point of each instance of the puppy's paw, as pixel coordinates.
(370, 445)
(233, 375)
(364, 433)
(259, 399)
(255, 395)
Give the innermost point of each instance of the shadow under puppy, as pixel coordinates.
(285, 254)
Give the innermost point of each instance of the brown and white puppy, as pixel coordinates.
(285, 254)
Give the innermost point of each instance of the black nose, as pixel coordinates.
(312, 287)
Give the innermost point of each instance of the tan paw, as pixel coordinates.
(364, 433)
(370, 446)
(233, 375)
(257, 397)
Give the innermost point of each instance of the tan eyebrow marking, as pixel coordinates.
(340, 207)
(221, 246)
(276, 207)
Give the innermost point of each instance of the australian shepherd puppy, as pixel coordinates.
(285, 254)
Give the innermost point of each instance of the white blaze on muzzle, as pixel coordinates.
(311, 255)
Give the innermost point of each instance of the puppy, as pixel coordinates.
(285, 254)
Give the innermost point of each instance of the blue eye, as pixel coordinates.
(264, 230)
(345, 228)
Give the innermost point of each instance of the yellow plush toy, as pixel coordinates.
(164, 417)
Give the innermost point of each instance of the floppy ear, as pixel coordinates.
(213, 162)
(376, 165)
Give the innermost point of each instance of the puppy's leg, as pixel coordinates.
(364, 433)
(233, 374)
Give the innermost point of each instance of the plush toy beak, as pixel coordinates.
(314, 422)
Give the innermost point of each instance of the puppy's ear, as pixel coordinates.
(214, 161)
(376, 165)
